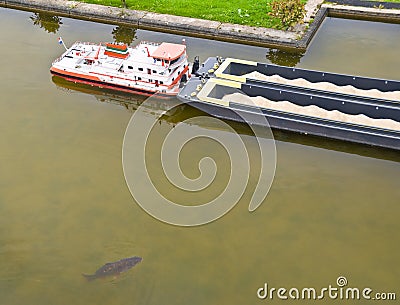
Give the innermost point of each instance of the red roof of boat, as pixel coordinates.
(169, 51)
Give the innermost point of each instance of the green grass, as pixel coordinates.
(246, 12)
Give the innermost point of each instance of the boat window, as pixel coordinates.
(154, 71)
(173, 78)
(176, 60)
(130, 67)
(139, 78)
(161, 82)
(140, 69)
(169, 70)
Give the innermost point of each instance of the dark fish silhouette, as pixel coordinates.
(115, 268)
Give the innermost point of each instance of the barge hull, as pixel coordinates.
(303, 125)
(218, 78)
(100, 84)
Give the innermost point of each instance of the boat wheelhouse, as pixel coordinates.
(148, 67)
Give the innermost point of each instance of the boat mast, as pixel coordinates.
(96, 57)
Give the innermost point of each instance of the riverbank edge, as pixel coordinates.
(204, 28)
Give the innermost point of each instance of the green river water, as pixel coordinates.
(65, 209)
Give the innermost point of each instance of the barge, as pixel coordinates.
(147, 68)
(343, 107)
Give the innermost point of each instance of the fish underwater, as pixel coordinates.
(114, 268)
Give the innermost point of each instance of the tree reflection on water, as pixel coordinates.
(50, 23)
(124, 34)
(284, 58)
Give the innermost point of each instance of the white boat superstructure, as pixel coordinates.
(148, 67)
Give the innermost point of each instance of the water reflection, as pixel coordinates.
(284, 58)
(50, 23)
(129, 101)
(124, 34)
(295, 138)
(157, 106)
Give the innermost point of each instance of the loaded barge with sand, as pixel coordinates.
(350, 108)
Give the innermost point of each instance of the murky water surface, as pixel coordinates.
(65, 209)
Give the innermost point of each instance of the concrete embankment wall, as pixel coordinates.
(202, 28)
(365, 10)
(160, 22)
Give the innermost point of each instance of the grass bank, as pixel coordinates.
(246, 12)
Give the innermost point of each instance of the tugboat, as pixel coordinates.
(147, 68)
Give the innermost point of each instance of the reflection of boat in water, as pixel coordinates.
(130, 101)
(148, 67)
(248, 91)
(157, 106)
(288, 138)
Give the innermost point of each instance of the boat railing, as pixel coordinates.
(60, 58)
(150, 43)
(72, 46)
(87, 43)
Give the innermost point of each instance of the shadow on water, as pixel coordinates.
(284, 58)
(157, 106)
(50, 23)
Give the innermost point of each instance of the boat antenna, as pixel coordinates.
(148, 53)
(97, 53)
